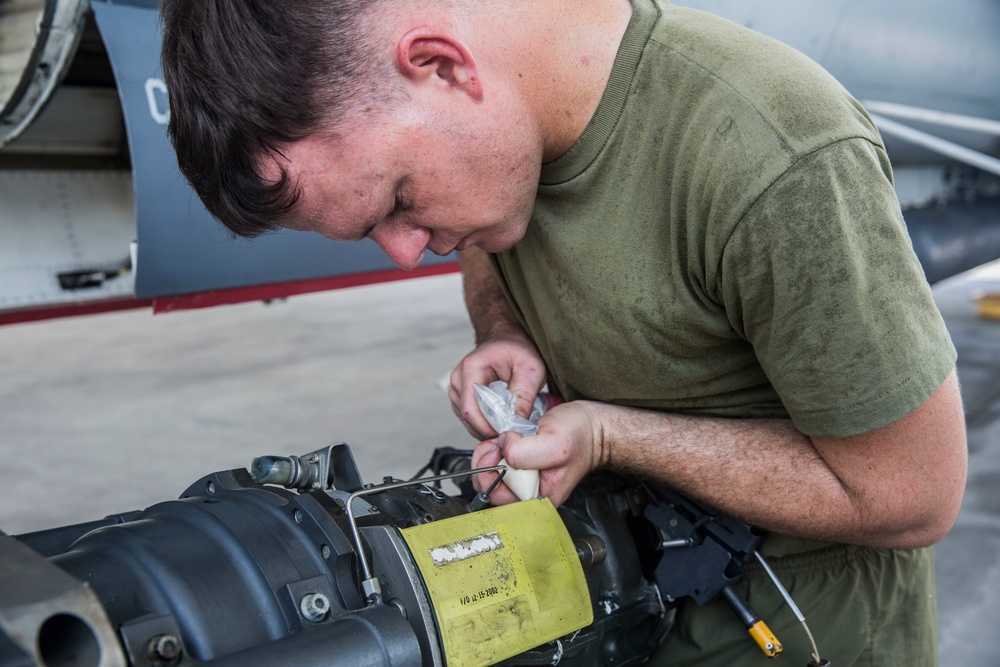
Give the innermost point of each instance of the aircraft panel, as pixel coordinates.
(931, 55)
(68, 224)
(806, 26)
(910, 67)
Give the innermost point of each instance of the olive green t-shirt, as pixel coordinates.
(724, 239)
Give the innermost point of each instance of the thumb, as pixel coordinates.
(524, 400)
(506, 444)
(521, 455)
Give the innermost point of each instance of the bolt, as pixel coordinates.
(314, 607)
(398, 604)
(164, 650)
(591, 550)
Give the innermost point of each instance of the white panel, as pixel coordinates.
(58, 221)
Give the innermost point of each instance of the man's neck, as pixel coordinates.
(572, 50)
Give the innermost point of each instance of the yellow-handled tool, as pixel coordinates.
(757, 628)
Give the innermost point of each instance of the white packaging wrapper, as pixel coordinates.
(497, 404)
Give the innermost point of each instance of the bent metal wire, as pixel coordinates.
(370, 586)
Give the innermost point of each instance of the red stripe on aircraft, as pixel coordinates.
(51, 312)
(169, 304)
(281, 290)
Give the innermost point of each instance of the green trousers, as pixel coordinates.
(865, 607)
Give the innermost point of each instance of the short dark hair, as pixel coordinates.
(244, 77)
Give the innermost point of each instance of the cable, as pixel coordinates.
(791, 605)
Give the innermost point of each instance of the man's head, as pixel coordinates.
(351, 119)
(245, 77)
(421, 124)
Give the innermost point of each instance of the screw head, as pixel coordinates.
(164, 650)
(314, 607)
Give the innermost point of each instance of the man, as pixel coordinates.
(685, 228)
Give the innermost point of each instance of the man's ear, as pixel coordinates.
(429, 54)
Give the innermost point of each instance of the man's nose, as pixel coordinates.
(404, 245)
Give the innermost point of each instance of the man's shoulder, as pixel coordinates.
(756, 79)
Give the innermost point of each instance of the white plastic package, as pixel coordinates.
(497, 404)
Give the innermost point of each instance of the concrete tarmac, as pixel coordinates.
(115, 412)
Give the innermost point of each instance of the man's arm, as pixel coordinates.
(899, 486)
(503, 349)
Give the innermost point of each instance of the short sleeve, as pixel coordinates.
(820, 277)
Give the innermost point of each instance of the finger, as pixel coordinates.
(473, 431)
(525, 385)
(455, 398)
(523, 403)
(463, 403)
(485, 454)
(530, 452)
(472, 415)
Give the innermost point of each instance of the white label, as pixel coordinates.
(463, 549)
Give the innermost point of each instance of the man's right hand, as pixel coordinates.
(510, 357)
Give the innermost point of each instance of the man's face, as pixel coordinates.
(413, 185)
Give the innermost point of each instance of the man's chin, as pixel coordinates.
(494, 245)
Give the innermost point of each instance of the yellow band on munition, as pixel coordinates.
(502, 580)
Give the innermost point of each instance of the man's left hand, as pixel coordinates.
(568, 445)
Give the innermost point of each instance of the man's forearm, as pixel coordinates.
(763, 471)
(489, 310)
(898, 486)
